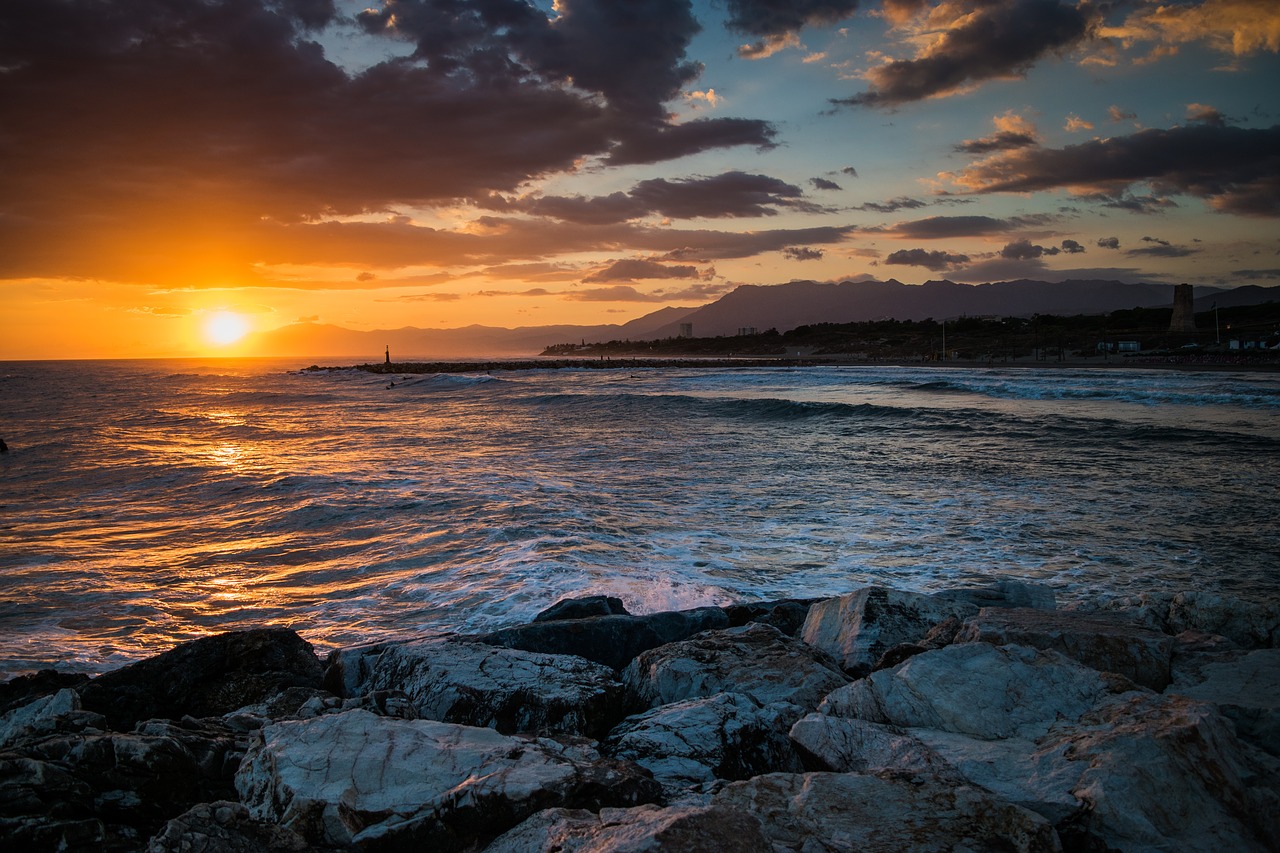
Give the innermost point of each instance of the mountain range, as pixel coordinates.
(781, 307)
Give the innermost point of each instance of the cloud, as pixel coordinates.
(1235, 27)
(1012, 131)
(1075, 124)
(928, 259)
(627, 293)
(1071, 247)
(824, 184)
(802, 253)
(973, 42)
(1108, 242)
(945, 227)
(631, 269)
(1160, 249)
(1257, 274)
(1205, 115)
(1022, 250)
(850, 171)
(1234, 169)
(1156, 240)
(732, 194)
(893, 204)
(1119, 114)
(776, 22)
(658, 142)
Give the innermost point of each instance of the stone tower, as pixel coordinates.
(1184, 315)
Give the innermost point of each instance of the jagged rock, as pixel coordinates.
(383, 783)
(976, 689)
(755, 659)
(787, 615)
(24, 689)
(821, 812)
(858, 628)
(725, 736)
(506, 689)
(583, 608)
(1004, 593)
(204, 678)
(1245, 686)
(94, 792)
(224, 827)
(1104, 642)
(643, 829)
(58, 713)
(216, 747)
(611, 640)
(1251, 624)
(847, 745)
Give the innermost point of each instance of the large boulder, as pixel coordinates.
(643, 829)
(756, 659)
(1004, 593)
(224, 827)
(381, 783)
(845, 745)
(59, 713)
(204, 678)
(611, 640)
(1245, 686)
(1110, 643)
(23, 689)
(821, 812)
(856, 629)
(984, 691)
(786, 614)
(583, 608)
(725, 736)
(506, 689)
(1250, 624)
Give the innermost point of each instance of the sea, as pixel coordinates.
(145, 503)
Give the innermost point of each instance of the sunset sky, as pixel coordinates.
(174, 173)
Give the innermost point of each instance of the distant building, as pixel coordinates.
(1184, 315)
(686, 330)
(747, 330)
(1129, 346)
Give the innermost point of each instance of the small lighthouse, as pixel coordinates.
(388, 354)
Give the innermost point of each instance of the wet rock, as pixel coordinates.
(58, 713)
(1005, 593)
(1245, 686)
(611, 640)
(23, 689)
(224, 827)
(858, 628)
(787, 615)
(725, 736)
(643, 829)
(755, 659)
(820, 812)
(506, 689)
(856, 746)
(1250, 624)
(216, 747)
(381, 783)
(1105, 642)
(583, 608)
(204, 678)
(976, 689)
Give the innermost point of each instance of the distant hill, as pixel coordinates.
(782, 307)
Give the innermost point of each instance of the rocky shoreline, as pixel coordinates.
(880, 720)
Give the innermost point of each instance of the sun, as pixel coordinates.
(225, 327)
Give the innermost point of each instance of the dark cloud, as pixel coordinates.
(1205, 114)
(1161, 249)
(1257, 274)
(732, 194)
(893, 204)
(1022, 250)
(997, 38)
(366, 276)
(1071, 247)
(1127, 201)
(824, 184)
(850, 171)
(1004, 140)
(943, 227)
(184, 126)
(1156, 240)
(924, 258)
(1235, 169)
(633, 269)
(802, 253)
(1108, 242)
(774, 17)
(1119, 114)
(627, 293)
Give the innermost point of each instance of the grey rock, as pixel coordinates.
(380, 783)
(1250, 624)
(24, 689)
(756, 659)
(224, 827)
(643, 829)
(821, 812)
(725, 736)
(204, 678)
(975, 689)
(787, 614)
(1245, 686)
(858, 628)
(847, 745)
(1109, 643)
(611, 640)
(507, 689)
(582, 608)
(58, 713)
(1004, 593)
